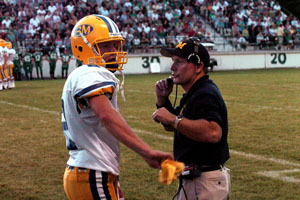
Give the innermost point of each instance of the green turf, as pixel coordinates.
(263, 109)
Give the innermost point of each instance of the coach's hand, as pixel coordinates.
(163, 116)
(163, 89)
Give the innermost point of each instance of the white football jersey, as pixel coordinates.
(11, 54)
(1, 56)
(89, 143)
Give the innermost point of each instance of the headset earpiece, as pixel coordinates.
(194, 58)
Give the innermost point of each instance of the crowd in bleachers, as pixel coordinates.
(146, 25)
(261, 23)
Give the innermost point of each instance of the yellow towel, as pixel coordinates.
(169, 171)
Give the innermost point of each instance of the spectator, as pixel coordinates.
(41, 18)
(104, 11)
(35, 22)
(11, 37)
(7, 21)
(241, 43)
(29, 29)
(56, 17)
(70, 7)
(128, 4)
(153, 42)
(280, 34)
(48, 15)
(41, 10)
(277, 7)
(21, 12)
(52, 7)
(260, 41)
(169, 14)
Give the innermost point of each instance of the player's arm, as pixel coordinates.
(117, 126)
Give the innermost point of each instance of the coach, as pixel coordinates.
(199, 123)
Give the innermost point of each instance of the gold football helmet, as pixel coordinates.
(8, 45)
(2, 43)
(91, 31)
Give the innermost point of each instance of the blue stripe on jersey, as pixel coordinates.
(104, 184)
(64, 126)
(93, 184)
(71, 145)
(106, 22)
(93, 66)
(92, 87)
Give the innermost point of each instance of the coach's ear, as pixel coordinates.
(199, 68)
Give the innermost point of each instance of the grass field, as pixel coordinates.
(264, 137)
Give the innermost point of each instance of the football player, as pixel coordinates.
(17, 66)
(28, 64)
(10, 58)
(52, 61)
(38, 55)
(3, 65)
(91, 122)
(65, 57)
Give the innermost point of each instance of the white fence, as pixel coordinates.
(155, 63)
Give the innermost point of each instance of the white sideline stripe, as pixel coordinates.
(280, 175)
(263, 158)
(30, 107)
(238, 153)
(266, 107)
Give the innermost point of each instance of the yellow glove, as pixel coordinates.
(169, 171)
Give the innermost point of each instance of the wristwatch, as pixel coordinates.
(177, 120)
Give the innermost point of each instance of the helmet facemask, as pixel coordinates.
(112, 60)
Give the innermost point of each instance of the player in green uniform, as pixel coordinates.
(38, 55)
(28, 64)
(17, 66)
(78, 63)
(52, 61)
(66, 57)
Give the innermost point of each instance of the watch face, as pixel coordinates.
(177, 120)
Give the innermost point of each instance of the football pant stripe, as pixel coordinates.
(93, 184)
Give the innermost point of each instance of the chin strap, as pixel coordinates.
(122, 86)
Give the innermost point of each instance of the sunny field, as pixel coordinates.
(264, 137)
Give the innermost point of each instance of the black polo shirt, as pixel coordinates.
(203, 101)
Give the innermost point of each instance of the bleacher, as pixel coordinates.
(149, 25)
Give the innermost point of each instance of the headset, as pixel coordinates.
(194, 57)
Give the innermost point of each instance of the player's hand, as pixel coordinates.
(155, 158)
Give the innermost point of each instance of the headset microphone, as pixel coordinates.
(170, 81)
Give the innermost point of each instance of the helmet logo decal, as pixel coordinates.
(83, 29)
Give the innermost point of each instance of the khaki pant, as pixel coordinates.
(212, 185)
